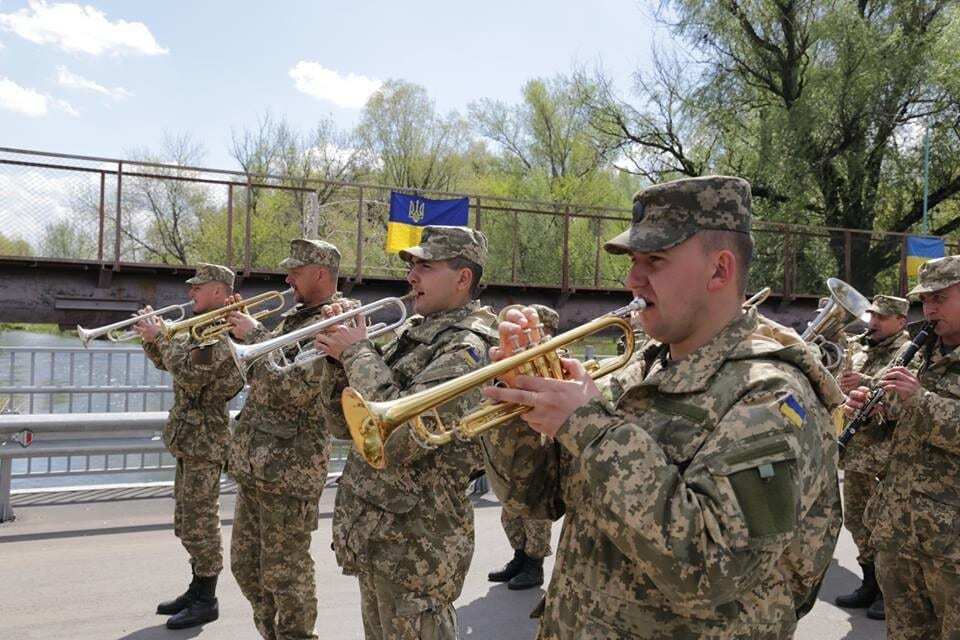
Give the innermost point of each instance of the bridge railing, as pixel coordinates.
(77, 380)
(93, 444)
(113, 211)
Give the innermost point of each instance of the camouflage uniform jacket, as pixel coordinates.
(412, 521)
(204, 380)
(694, 504)
(867, 452)
(281, 441)
(917, 509)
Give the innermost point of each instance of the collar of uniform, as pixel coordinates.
(302, 309)
(891, 340)
(425, 328)
(938, 359)
(694, 372)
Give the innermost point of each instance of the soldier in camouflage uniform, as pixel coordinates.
(406, 531)
(915, 516)
(865, 456)
(279, 454)
(196, 433)
(699, 495)
(529, 537)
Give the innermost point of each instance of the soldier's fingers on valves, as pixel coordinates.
(508, 394)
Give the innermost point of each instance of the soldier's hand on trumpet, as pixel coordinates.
(336, 339)
(240, 324)
(552, 401)
(148, 328)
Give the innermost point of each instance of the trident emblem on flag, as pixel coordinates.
(416, 210)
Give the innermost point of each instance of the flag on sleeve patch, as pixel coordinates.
(471, 356)
(792, 410)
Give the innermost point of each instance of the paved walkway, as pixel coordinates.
(77, 567)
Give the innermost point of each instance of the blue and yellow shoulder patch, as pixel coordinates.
(471, 355)
(792, 410)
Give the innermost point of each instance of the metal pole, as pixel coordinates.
(359, 268)
(103, 215)
(6, 472)
(116, 241)
(926, 178)
(229, 225)
(246, 234)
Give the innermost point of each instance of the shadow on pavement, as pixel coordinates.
(500, 614)
(160, 631)
(841, 580)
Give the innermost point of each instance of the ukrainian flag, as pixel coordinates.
(920, 249)
(792, 410)
(410, 214)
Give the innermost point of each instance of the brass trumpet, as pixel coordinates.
(245, 355)
(213, 324)
(113, 331)
(371, 423)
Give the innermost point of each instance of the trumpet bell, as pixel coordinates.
(368, 436)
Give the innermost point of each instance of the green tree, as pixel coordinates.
(14, 246)
(819, 104)
(414, 146)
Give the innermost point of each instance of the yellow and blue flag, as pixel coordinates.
(792, 410)
(920, 249)
(410, 214)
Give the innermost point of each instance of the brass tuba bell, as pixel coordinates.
(845, 305)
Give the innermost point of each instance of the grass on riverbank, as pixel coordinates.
(32, 327)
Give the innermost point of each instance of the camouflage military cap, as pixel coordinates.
(443, 243)
(889, 306)
(548, 317)
(665, 215)
(937, 274)
(304, 251)
(212, 273)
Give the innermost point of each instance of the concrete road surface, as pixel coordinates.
(77, 566)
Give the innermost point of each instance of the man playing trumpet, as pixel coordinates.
(406, 531)
(196, 433)
(702, 501)
(279, 455)
(863, 460)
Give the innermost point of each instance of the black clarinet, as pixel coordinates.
(877, 393)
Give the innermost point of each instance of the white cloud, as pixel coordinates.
(30, 102)
(22, 100)
(66, 107)
(66, 78)
(350, 91)
(79, 29)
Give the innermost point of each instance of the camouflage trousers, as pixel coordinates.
(196, 514)
(529, 534)
(858, 488)
(921, 597)
(270, 558)
(390, 612)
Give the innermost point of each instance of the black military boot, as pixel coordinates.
(181, 602)
(529, 577)
(203, 608)
(875, 611)
(865, 594)
(511, 569)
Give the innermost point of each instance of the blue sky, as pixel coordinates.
(106, 77)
